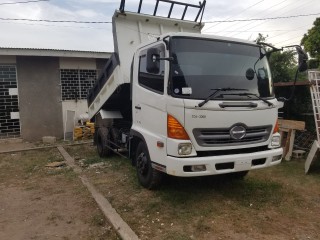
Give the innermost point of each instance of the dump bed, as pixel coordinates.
(129, 31)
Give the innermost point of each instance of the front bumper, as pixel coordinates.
(215, 164)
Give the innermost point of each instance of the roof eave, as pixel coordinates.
(53, 53)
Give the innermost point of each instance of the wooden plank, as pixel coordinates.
(41, 148)
(114, 218)
(291, 124)
(286, 146)
(315, 147)
(70, 161)
(122, 228)
(290, 148)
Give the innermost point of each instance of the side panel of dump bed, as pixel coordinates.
(129, 31)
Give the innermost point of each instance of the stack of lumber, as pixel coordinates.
(289, 128)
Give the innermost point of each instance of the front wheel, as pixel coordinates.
(148, 177)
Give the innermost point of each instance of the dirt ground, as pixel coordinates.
(37, 202)
(275, 203)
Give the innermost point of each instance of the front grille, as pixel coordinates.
(221, 136)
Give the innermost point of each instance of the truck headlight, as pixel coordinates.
(275, 141)
(184, 148)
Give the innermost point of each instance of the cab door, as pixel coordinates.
(149, 102)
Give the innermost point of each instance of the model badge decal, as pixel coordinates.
(238, 132)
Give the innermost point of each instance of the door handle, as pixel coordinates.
(138, 107)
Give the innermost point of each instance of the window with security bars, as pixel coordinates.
(75, 83)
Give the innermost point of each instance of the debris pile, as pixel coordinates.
(84, 132)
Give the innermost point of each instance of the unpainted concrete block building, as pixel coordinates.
(39, 87)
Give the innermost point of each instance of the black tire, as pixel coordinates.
(102, 141)
(148, 177)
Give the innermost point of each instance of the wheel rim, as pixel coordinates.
(142, 163)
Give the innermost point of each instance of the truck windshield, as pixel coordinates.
(201, 65)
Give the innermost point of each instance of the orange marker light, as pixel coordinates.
(175, 129)
(276, 127)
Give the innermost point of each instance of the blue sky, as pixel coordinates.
(98, 37)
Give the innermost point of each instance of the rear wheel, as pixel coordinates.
(103, 142)
(148, 177)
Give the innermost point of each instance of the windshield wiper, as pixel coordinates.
(217, 90)
(251, 94)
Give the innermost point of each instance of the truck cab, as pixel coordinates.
(204, 105)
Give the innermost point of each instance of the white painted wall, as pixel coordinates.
(80, 107)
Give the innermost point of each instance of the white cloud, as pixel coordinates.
(99, 37)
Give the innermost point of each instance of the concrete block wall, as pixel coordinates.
(69, 84)
(76, 82)
(9, 105)
(87, 81)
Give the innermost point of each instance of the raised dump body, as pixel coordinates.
(112, 90)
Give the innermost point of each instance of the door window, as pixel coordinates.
(151, 81)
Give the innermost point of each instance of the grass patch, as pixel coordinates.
(93, 160)
(185, 192)
(200, 207)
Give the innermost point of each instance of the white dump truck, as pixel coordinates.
(178, 102)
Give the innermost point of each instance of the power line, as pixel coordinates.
(52, 21)
(51, 25)
(235, 15)
(289, 39)
(298, 29)
(269, 18)
(104, 22)
(261, 23)
(11, 3)
(259, 13)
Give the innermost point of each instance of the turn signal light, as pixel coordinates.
(175, 129)
(276, 127)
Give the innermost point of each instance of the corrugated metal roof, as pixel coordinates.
(12, 51)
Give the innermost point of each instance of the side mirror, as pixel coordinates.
(302, 59)
(153, 62)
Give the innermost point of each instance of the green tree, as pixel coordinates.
(261, 38)
(282, 65)
(311, 40)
